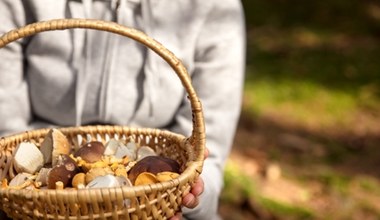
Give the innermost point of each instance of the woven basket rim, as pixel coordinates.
(165, 188)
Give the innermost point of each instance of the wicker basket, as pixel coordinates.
(153, 201)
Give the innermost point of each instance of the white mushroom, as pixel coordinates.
(104, 181)
(111, 147)
(21, 180)
(128, 150)
(123, 181)
(28, 158)
(144, 151)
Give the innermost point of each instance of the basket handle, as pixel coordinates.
(197, 138)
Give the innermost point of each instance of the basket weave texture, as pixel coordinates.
(153, 201)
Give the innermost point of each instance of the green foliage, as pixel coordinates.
(240, 188)
(353, 16)
(335, 182)
(313, 72)
(305, 102)
(310, 69)
(369, 184)
(290, 211)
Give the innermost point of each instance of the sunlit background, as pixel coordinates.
(308, 143)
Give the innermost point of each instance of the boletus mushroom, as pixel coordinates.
(64, 171)
(54, 144)
(154, 165)
(91, 151)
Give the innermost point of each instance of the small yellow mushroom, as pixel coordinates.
(166, 176)
(4, 183)
(97, 171)
(145, 178)
(125, 160)
(79, 181)
(59, 185)
(121, 171)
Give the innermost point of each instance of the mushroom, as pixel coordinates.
(97, 171)
(166, 176)
(111, 147)
(79, 181)
(104, 181)
(145, 178)
(64, 171)
(91, 151)
(28, 158)
(59, 185)
(128, 151)
(21, 180)
(120, 170)
(42, 176)
(119, 150)
(123, 181)
(86, 166)
(144, 151)
(54, 144)
(154, 165)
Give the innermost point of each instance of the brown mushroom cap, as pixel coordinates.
(154, 165)
(91, 151)
(64, 171)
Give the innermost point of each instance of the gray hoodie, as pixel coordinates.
(78, 77)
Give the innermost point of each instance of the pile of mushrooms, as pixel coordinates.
(54, 165)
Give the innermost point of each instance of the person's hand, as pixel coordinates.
(191, 200)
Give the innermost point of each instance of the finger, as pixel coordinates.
(190, 201)
(206, 152)
(198, 187)
(177, 216)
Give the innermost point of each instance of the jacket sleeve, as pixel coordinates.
(218, 80)
(14, 102)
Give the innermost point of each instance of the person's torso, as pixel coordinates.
(114, 79)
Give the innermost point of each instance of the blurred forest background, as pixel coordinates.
(308, 142)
